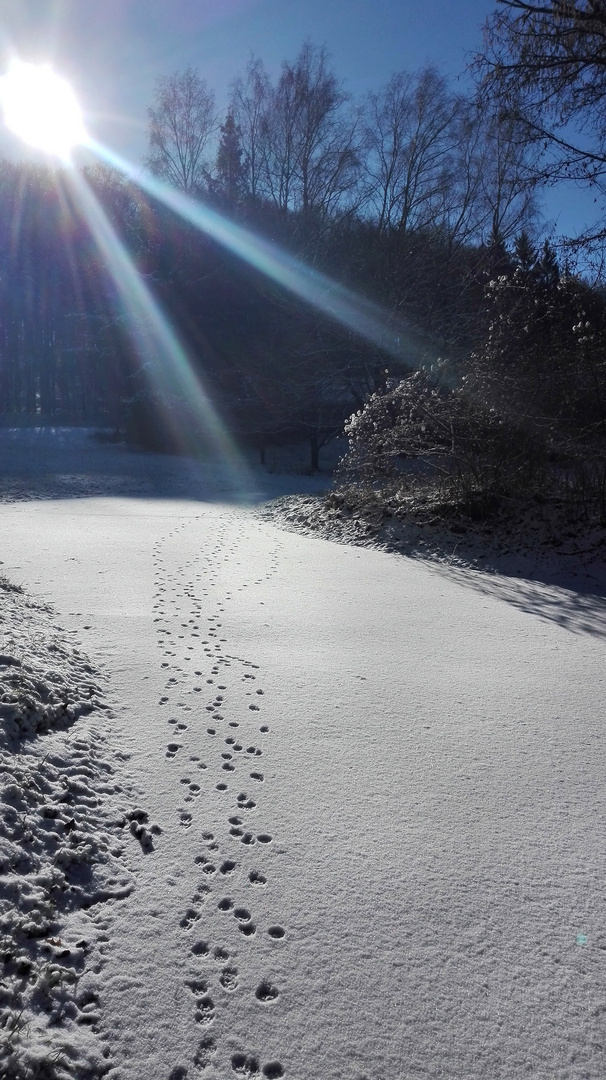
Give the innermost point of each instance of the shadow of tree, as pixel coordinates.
(580, 608)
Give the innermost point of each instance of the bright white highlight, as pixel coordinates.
(41, 108)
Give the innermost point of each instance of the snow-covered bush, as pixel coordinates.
(424, 432)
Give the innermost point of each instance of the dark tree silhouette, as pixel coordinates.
(545, 65)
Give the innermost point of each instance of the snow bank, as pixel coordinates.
(533, 545)
(60, 857)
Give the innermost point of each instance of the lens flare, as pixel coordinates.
(42, 109)
(163, 357)
(356, 313)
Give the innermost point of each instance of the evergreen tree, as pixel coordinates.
(230, 174)
(525, 253)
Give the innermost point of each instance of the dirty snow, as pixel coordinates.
(342, 809)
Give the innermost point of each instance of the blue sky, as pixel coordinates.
(114, 50)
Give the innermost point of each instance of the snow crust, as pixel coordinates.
(375, 783)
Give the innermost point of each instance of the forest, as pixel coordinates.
(421, 199)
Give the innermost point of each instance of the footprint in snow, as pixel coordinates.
(229, 979)
(201, 948)
(266, 992)
(205, 1010)
(189, 919)
(205, 1053)
(245, 1065)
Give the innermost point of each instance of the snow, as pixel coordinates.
(398, 872)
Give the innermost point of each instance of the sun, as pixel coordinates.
(41, 108)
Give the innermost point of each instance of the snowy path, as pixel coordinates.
(381, 794)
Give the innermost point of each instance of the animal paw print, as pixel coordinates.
(205, 1053)
(266, 992)
(207, 866)
(189, 919)
(229, 979)
(246, 1065)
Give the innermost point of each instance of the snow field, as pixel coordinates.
(388, 863)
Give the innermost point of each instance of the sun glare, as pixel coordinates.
(41, 108)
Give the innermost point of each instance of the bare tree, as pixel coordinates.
(507, 197)
(249, 104)
(410, 138)
(312, 153)
(181, 125)
(545, 64)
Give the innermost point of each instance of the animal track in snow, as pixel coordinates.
(205, 1010)
(273, 1070)
(201, 948)
(276, 932)
(205, 1053)
(207, 867)
(172, 749)
(201, 892)
(245, 1065)
(257, 878)
(229, 978)
(266, 992)
(189, 919)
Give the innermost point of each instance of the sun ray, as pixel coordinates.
(162, 355)
(57, 127)
(356, 313)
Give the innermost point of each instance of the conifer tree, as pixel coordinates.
(230, 174)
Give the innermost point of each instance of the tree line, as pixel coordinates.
(419, 197)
